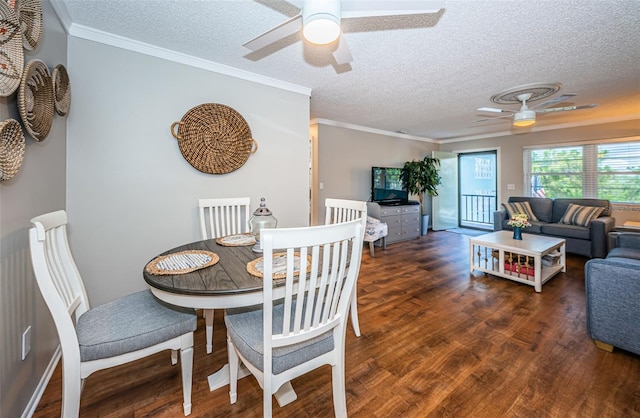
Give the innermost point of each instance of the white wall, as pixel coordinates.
(38, 187)
(131, 195)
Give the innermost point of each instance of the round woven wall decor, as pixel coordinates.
(214, 138)
(11, 52)
(61, 90)
(30, 17)
(35, 100)
(12, 146)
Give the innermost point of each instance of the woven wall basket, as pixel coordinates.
(11, 52)
(214, 138)
(35, 100)
(30, 17)
(61, 90)
(12, 146)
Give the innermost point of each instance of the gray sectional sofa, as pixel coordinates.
(612, 287)
(590, 241)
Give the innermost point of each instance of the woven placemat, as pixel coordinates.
(35, 99)
(182, 262)
(61, 90)
(214, 138)
(30, 17)
(12, 145)
(256, 267)
(11, 51)
(238, 240)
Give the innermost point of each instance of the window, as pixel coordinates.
(609, 170)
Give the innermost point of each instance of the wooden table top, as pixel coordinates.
(228, 276)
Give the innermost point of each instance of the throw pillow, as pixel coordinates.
(523, 207)
(580, 215)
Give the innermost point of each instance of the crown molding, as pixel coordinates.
(319, 121)
(106, 38)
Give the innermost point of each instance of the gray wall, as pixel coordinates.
(130, 193)
(38, 187)
(345, 157)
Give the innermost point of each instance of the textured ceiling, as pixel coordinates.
(423, 74)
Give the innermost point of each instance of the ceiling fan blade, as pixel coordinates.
(283, 30)
(565, 108)
(494, 110)
(493, 118)
(357, 8)
(342, 54)
(554, 100)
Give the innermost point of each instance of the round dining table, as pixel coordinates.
(226, 284)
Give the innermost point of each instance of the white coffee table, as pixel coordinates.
(532, 260)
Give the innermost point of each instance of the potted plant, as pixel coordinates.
(420, 177)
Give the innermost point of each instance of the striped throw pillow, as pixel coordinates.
(580, 215)
(522, 207)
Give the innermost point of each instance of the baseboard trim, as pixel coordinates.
(42, 385)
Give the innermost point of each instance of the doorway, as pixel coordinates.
(477, 185)
(467, 196)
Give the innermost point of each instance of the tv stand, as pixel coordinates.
(402, 219)
(398, 203)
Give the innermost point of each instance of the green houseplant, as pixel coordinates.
(420, 177)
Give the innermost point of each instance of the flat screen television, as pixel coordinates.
(386, 186)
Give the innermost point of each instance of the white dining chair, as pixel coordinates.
(342, 210)
(118, 332)
(220, 217)
(301, 323)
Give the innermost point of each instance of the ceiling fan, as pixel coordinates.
(320, 21)
(527, 116)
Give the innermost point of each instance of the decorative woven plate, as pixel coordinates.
(12, 146)
(11, 52)
(256, 267)
(30, 17)
(61, 90)
(214, 138)
(238, 240)
(35, 99)
(182, 262)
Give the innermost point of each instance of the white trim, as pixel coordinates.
(578, 143)
(329, 122)
(90, 34)
(30, 409)
(542, 129)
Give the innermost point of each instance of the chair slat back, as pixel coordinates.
(318, 301)
(342, 210)
(57, 274)
(223, 216)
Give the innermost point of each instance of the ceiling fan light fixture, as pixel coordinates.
(524, 118)
(321, 28)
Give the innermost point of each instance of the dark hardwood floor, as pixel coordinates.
(436, 341)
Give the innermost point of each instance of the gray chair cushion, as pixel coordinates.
(625, 253)
(131, 323)
(245, 326)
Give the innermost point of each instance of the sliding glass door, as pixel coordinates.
(478, 186)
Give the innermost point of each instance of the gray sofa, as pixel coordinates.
(612, 287)
(588, 241)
